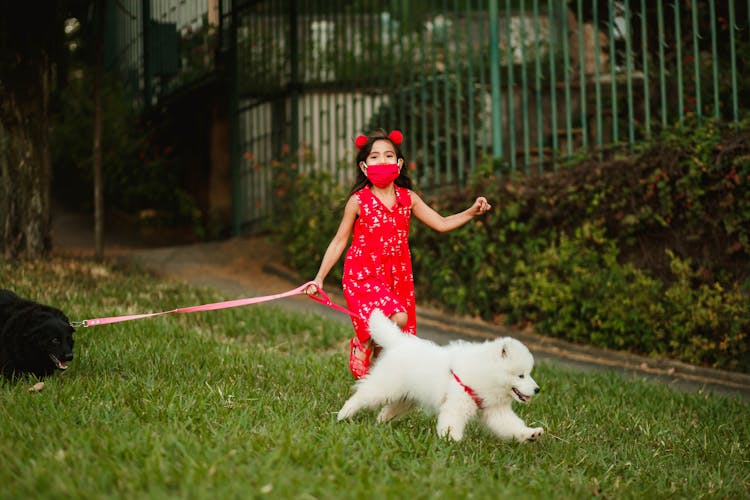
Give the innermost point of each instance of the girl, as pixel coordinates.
(377, 267)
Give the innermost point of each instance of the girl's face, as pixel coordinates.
(382, 152)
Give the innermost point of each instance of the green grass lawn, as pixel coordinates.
(241, 403)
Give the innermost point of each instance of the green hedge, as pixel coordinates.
(647, 252)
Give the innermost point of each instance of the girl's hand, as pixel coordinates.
(313, 288)
(480, 206)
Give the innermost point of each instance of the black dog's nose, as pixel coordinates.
(68, 356)
(536, 391)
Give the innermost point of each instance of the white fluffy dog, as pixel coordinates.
(458, 381)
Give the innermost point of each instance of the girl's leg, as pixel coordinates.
(400, 318)
(363, 352)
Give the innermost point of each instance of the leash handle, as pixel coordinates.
(324, 299)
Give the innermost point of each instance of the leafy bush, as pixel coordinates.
(705, 324)
(577, 290)
(309, 210)
(468, 271)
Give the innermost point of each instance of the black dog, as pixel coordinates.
(34, 338)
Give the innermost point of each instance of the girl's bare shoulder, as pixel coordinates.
(352, 204)
(415, 198)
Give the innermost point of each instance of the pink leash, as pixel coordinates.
(324, 299)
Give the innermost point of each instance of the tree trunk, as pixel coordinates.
(30, 46)
(97, 139)
(25, 225)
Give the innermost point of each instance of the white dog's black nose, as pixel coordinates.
(536, 390)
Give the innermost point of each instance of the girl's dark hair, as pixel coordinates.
(361, 181)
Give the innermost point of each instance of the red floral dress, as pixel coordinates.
(377, 267)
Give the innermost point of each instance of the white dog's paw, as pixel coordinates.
(450, 432)
(530, 434)
(346, 411)
(456, 436)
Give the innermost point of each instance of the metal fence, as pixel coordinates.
(159, 46)
(515, 85)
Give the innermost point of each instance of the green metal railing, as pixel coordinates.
(519, 85)
(523, 84)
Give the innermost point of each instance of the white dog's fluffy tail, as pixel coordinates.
(385, 332)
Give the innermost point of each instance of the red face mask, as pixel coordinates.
(382, 174)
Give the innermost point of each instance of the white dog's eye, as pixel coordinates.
(520, 376)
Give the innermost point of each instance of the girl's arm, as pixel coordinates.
(338, 243)
(431, 218)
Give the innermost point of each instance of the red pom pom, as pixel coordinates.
(396, 137)
(360, 141)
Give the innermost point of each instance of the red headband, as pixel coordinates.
(395, 136)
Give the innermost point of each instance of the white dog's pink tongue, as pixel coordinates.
(522, 397)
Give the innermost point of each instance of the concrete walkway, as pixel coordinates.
(247, 267)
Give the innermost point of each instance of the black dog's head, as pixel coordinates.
(34, 338)
(53, 337)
